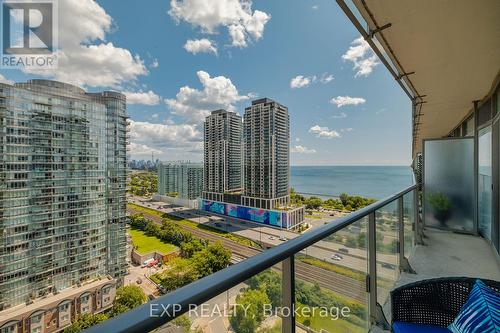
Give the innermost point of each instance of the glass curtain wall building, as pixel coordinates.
(180, 179)
(62, 188)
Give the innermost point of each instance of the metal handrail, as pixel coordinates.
(161, 310)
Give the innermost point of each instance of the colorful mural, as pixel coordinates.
(269, 217)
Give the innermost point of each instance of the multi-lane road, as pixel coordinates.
(268, 237)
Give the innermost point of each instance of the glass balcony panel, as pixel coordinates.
(330, 283)
(251, 306)
(449, 184)
(409, 220)
(485, 181)
(386, 221)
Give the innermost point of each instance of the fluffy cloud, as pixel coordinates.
(362, 57)
(326, 78)
(194, 104)
(155, 64)
(145, 98)
(302, 150)
(324, 132)
(347, 100)
(237, 16)
(3, 79)
(161, 137)
(301, 81)
(203, 45)
(138, 149)
(84, 58)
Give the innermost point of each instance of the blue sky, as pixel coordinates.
(140, 48)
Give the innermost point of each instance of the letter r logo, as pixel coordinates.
(27, 27)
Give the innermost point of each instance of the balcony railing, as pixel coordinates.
(354, 260)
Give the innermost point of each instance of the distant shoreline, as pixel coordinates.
(321, 196)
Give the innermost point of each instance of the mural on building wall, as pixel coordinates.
(277, 219)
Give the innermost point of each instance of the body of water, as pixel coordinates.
(368, 181)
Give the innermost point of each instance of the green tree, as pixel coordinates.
(343, 198)
(351, 241)
(313, 203)
(362, 240)
(248, 321)
(127, 298)
(86, 321)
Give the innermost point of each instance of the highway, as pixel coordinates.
(341, 284)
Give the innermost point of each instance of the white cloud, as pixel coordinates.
(145, 98)
(326, 78)
(301, 81)
(194, 104)
(297, 139)
(349, 129)
(162, 137)
(3, 79)
(347, 100)
(203, 45)
(84, 56)
(155, 64)
(362, 57)
(302, 150)
(324, 132)
(237, 16)
(315, 7)
(138, 149)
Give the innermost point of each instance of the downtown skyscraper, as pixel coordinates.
(62, 188)
(266, 155)
(222, 154)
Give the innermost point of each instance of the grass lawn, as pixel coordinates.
(191, 224)
(146, 244)
(332, 326)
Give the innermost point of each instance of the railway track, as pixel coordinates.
(338, 283)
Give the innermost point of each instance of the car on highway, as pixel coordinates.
(388, 266)
(283, 238)
(337, 257)
(343, 250)
(272, 238)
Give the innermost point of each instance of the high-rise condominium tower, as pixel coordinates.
(62, 188)
(185, 179)
(222, 154)
(266, 141)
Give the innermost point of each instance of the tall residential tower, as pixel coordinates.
(222, 154)
(181, 179)
(266, 141)
(62, 188)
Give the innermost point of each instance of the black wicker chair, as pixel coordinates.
(433, 302)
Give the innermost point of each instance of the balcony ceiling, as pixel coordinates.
(453, 46)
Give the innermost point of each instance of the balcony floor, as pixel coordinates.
(449, 254)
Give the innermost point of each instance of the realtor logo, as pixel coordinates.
(29, 34)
